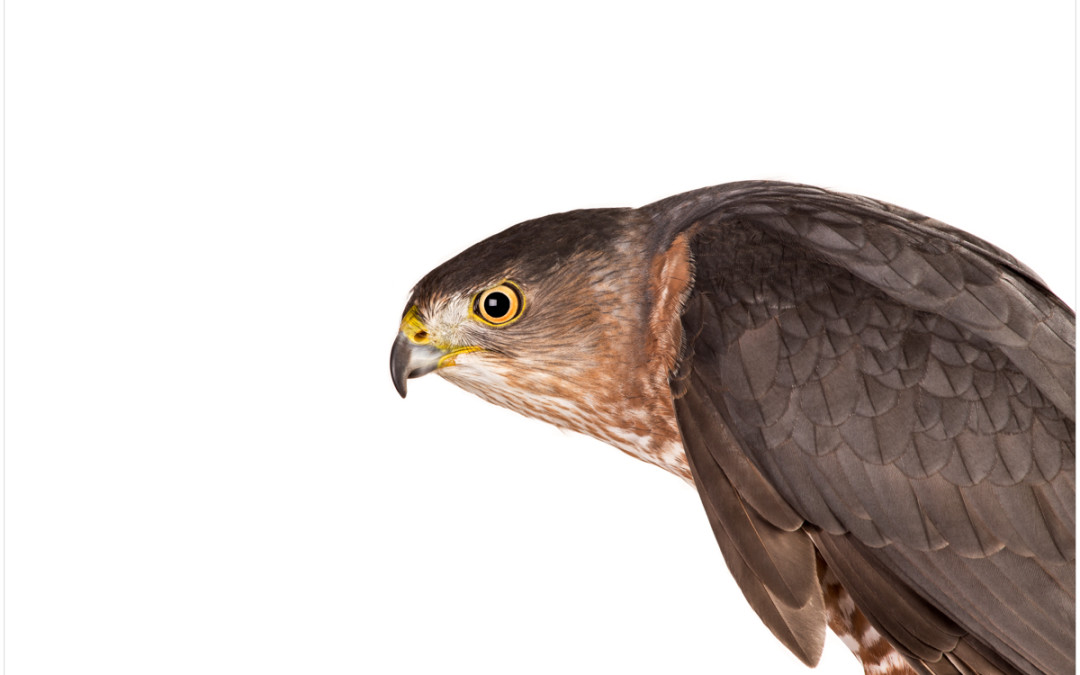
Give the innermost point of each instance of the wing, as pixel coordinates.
(908, 391)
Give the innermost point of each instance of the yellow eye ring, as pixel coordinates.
(499, 305)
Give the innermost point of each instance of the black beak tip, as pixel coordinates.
(409, 360)
(399, 365)
(400, 375)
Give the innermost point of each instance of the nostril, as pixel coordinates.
(420, 336)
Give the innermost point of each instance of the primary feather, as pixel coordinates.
(864, 397)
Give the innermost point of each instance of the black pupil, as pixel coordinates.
(497, 305)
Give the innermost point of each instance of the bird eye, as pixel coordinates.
(499, 305)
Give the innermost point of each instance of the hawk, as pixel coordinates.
(876, 409)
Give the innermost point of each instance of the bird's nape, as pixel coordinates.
(876, 409)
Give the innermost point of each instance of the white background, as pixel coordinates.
(215, 211)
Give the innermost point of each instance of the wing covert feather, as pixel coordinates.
(907, 389)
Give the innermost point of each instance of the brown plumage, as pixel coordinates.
(877, 409)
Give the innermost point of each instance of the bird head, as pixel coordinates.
(538, 318)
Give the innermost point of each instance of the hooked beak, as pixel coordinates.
(414, 354)
(409, 359)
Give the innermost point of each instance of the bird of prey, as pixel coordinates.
(876, 409)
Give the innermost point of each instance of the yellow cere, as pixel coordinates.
(413, 328)
(417, 333)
